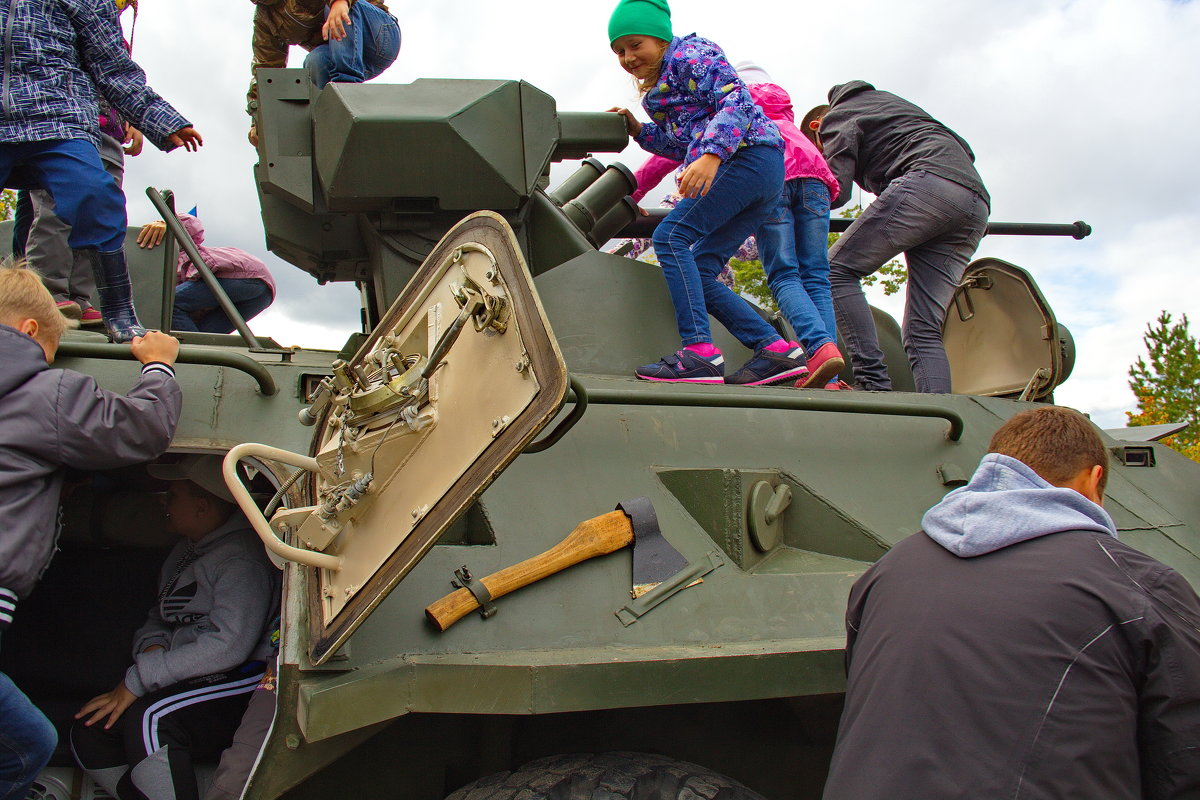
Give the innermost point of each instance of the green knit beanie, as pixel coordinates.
(647, 17)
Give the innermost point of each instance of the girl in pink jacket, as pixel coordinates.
(244, 278)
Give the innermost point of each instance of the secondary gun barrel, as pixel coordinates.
(643, 227)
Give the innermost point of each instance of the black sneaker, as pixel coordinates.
(767, 368)
(684, 366)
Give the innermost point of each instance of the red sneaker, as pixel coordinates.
(838, 386)
(90, 317)
(823, 364)
(69, 309)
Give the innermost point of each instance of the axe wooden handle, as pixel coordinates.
(594, 537)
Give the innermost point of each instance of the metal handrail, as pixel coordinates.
(188, 354)
(170, 269)
(206, 274)
(800, 401)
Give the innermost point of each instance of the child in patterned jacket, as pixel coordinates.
(702, 114)
(58, 54)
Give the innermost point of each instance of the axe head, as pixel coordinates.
(654, 559)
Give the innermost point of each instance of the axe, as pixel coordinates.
(634, 521)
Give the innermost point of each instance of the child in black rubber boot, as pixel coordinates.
(49, 136)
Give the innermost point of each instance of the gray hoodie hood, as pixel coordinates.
(1007, 502)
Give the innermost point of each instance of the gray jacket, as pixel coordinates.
(55, 418)
(873, 137)
(218, 597)
(1017, 649)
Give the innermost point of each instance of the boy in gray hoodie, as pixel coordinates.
(51, 419)
(1016, 648)
(200, 655)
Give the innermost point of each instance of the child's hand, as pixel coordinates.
(152, 233)
(188, 138)
(336, 22)
(697, 179)
(155, 346)
(632, 126)
(252, 136)
(133, 141)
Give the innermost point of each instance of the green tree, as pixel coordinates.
(8, 204)
(752, 281)
(1168, 386)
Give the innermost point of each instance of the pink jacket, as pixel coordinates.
(801, 159)
(225, 262)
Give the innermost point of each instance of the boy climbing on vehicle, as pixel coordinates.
(49, 135)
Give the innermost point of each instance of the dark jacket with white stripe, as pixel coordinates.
(55, 418)
(218, 596)
(1016, 649)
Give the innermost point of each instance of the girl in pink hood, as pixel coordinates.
(244, 278)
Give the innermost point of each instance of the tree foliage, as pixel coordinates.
(8, 204)
(1167, 387)
(751, 280)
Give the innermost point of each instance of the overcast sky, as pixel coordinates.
(1076, 109)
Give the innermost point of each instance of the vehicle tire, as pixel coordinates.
(606, 776)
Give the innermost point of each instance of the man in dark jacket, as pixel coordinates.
(931, 206)
(1016, 648)
(50, 419)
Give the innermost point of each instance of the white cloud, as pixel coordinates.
(1075, 111)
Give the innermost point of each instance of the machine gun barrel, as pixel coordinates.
(643, 227)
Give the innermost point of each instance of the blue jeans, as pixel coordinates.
(937, 224)
(701, 233)
(196, 308)
(371, 44)
(794, 245)
(85, 196)
(27, 740)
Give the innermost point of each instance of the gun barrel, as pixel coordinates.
(643, 227)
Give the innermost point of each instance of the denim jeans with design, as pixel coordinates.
(937, 224)
(27, 740)
(701, 233)
(794, 245)
(370, 46)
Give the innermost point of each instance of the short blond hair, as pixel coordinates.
(22, 296)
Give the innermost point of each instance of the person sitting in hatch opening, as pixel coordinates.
(349, 41)
(245, 279)
(203, 650)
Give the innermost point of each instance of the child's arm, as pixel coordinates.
(718, 85)
(122, 81)
(651, 173)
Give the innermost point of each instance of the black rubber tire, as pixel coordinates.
(606, 776)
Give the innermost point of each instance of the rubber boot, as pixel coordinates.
(116, 294)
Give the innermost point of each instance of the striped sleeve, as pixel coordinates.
(8, 604)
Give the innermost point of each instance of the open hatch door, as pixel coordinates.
(460, 375)
(1001, 337)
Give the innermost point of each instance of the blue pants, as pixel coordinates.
(371, 44)
(794, 245)
(27, 740)
(937, 224)
(701, 233)
(196, 308)
(85, 196)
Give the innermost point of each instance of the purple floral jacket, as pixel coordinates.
(701, 106)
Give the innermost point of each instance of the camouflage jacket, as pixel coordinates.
(279, 24)
(53, 51)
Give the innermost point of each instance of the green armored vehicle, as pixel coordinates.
(660, 572)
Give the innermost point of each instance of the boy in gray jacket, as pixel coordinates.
(51, 419)
(200, 655)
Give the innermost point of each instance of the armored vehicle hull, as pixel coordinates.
(486, 413)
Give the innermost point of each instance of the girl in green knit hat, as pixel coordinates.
(702, 114)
